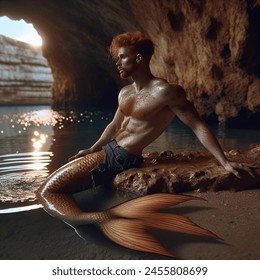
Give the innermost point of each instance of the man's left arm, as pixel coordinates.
(186, 112)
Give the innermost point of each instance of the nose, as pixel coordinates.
(118, 62)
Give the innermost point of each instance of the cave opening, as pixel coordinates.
(20, 31)
(26, 77)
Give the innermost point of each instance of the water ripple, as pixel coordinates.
(21, 175)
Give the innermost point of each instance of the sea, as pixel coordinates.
(35, 140)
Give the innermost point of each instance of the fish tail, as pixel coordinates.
(129, 223)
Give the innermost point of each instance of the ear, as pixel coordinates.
(139, 58)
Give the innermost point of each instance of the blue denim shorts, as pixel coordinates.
(117, 159)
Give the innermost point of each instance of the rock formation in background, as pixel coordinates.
(25, 74)
(211, 48)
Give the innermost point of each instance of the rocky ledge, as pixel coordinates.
(189, 171)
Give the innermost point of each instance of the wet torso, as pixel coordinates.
(146, 115)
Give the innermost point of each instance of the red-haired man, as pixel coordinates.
(145, 109)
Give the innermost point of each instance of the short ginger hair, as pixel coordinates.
(139, 41)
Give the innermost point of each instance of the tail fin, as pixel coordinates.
(129, 222)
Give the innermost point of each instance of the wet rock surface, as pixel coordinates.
(189, 171)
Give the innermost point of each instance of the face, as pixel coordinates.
(126, 62)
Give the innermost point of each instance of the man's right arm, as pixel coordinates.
(108, 133)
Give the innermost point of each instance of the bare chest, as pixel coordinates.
(140, 106)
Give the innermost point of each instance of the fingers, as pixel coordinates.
(72, 158)
(236, 173)
(244, 167)
(79, 154)
(248, 169)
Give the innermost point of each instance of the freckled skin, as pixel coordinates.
(145, 116)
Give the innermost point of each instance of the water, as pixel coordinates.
(35, 140)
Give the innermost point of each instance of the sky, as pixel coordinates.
(19, 30)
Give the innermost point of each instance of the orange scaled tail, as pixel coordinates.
(126, 224)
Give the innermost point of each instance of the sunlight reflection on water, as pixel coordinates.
(20, 209)
(35, 141)
(25, 161)
(27, 141)
(25, 151)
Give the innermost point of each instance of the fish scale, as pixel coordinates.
(126, 224)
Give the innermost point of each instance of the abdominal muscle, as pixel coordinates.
(135, 135)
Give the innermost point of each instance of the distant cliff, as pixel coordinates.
(25, 75)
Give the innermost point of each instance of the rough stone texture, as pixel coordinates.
(205, 46)
(175, 173)
(25, 74)
(209, 47)
(253, 97)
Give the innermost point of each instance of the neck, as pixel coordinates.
(142, 78)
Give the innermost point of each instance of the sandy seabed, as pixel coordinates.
(233, 216)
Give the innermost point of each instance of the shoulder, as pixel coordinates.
(126, 89)
(170, 91)
(174, 89)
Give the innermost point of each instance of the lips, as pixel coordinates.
(120, 69)
(122, 72)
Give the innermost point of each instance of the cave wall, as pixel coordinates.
(204, 46)
(209, 47)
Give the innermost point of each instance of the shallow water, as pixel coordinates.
(35, 140)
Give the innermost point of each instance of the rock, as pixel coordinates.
(25, 74)
(253, 97)
(202, 45)
(211, 48)
(190, 171)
